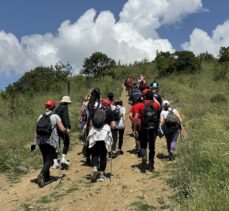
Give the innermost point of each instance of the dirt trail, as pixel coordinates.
(129, 189)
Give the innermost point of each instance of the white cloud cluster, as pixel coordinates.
(132, 38)
(201, 42)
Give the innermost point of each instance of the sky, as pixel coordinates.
(44, 32)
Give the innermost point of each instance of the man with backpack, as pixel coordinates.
(62, 111)
(147, 111)
(100, 139)
(134, 96)
(47, 139)
(136, 125)
(170, 126)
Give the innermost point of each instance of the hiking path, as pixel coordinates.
(128, 188)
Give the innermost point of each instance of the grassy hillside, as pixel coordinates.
(201, 172)
(19, 112)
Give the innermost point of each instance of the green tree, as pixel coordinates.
(224, 54)
(206, 57)
(98, 65)
(165, 63)
(186, 62)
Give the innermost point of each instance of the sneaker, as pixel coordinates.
(56, 166)
(120, 152)
(143, 166)
(102, 178)
(94, 176)
(151, 167)
(171, 156)
(40, 180)
(48, 180)
(64, 161)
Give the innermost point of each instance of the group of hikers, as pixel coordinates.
(102, 122)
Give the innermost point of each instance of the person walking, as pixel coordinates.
(100, 139)
(170, 125)
(62, 111)
(147, 111)
(47, 139)
(120, 112)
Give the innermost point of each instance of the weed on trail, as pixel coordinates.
(142, 206)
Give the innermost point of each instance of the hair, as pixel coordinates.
(110, 96)
(149, 95)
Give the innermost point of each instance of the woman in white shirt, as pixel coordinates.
(171, 130)
(120, 125)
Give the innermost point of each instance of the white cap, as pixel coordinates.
(66, 99)
(165, 102)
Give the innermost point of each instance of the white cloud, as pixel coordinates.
(201, 42)
(132, 38)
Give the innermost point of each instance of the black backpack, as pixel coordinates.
(99, 118)
(149, 117)
(135, 96)
(44, 127)
(117, 114)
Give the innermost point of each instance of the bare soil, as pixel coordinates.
(128, 188)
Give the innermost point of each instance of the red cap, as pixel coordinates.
(50, 103)
(105, 102)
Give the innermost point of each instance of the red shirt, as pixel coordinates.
(140, 107)
(134, 110)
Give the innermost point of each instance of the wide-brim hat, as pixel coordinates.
(66, 99)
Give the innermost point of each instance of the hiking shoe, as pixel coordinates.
(40, 180)
(120, 152)
(56, 166)
(151, 167)
(94, 176)
(171, 156)
(65, 162)
(143, 166)
(102, 178)
(48, 180)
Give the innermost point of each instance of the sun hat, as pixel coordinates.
(66, 99)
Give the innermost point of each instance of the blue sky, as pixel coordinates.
(34, 33)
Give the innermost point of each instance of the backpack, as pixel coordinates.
(171, 118)
(135, 96)
(99, 118)
(44, 127)
(149, 117)
(117, 114)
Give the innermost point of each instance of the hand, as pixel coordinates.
(68, 131)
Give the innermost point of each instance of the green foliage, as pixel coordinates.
(186, 62)
(206, 57)
(201, 170)
(224, 54)
(165, 63)
(221, 71)
(178, 62)
(19, 111)
(40, 80)
(98, 65)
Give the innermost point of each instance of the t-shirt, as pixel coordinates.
(134, 110)
(164, 113)
(120, 123)
(54, 138)
(141, 106)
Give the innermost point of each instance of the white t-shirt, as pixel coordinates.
(120, 123)
(164, 113)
